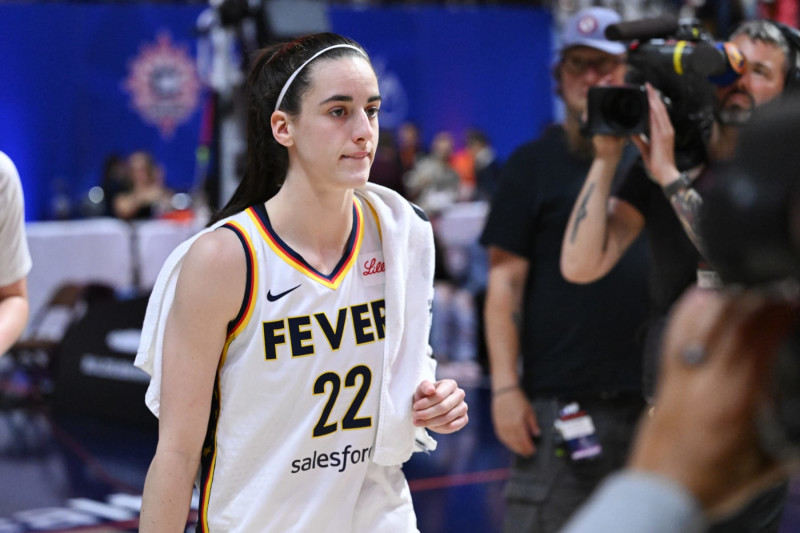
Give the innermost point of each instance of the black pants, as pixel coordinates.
(547, 488)
(762, 515)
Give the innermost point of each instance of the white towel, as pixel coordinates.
(408, 253)
(151, 344)
(409, 256)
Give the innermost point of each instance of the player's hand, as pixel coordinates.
(440, 406)
(515, 422)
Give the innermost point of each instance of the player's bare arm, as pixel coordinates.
(208, 295)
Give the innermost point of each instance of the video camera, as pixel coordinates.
(750, 227)
(682, 61)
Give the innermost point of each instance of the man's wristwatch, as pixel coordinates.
(682, 183)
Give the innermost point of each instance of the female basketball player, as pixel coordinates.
(287, 343)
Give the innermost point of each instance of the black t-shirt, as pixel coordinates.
(674, 258)
(576, 339)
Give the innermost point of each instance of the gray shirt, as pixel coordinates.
(638, 502)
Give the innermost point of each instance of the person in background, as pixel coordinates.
(463, 162)
(114, 181)
(409, 145)
(657, 198)
(147, 196)
(15, 259)
(486, 165)
(387, 170)
(433, 184)
(288, 343)
(577, 345)
(663, 202)
(699, 455)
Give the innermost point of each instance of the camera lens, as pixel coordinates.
(623, 110)
(617, 110)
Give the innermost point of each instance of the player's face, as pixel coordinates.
(336, 132)
(762, 80)
(583, 68)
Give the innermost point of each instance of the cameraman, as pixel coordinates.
(725, 424)
(571, 345)
(657, 196)
(664, 200)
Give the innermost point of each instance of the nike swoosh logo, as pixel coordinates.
(272, 297)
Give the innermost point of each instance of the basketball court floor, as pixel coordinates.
(63, 472)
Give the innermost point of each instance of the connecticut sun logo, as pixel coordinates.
(163, 83)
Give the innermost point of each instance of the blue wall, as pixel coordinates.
(484, 67)
(64, 105)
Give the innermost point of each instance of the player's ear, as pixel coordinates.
(281, 128)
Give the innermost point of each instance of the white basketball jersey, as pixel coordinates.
(296, 396)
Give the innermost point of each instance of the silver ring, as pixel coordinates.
(694, 354)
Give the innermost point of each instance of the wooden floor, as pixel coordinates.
(67, 473)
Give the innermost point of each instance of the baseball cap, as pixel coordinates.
(587, 28)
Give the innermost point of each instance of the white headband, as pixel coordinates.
(301, 67)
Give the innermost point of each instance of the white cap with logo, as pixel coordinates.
(587, 28)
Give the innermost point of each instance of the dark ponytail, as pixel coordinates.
(267, 160)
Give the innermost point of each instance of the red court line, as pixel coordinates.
(91, 462)
(455, 480)
(416, 485)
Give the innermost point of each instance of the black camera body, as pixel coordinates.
(750, 226)
(680, 65)
(618, 110)
(750, 221)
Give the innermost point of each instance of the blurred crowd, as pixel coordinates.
(452, 169)
(130, 187)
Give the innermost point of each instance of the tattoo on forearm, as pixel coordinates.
(516, 318)
(687, 205)
(581, 214)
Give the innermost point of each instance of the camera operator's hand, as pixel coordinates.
(719, 353)
(658, 151)
(608, 147)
